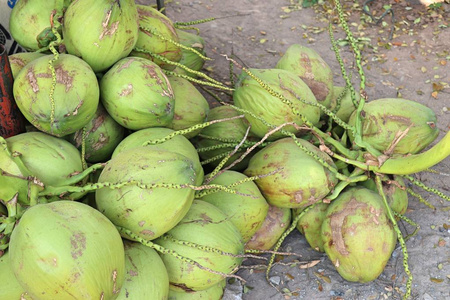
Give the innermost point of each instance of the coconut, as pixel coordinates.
(357, 234)
(397, 126)
(307, 64)
(146, 276)
(191, 108)
(137, 94)
(111, 32)
(30, 19)
(247, 209)
(251, 96)
(178, 143)
(146, 211)
(300, 180)
(156, 31)
(103, 134)
(75, 98)
(203, 226)
(310, 225)
(20, 60)
(275, 224)
(74, 252)
(49, 159)
(346, 107)
(231, 130)
(189, 58)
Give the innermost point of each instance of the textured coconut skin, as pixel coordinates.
(150, 212)
(76, 95)
(251, 96)
(103, 134)
(246, 212)
(310, 225)
(146, 276)
(10, 287)
(20, 60)
(178, 143)
(50, 159)
(112, 33)
(395, 192)
(204, 225)
(275, 224)
(307, 64)
(72, 252)
(300, 180)
(385, 118)
(357, 234)
(229, 130)
(213, 293)
(29, 19)
(189, 58)
(137, 94)
(191, 108)
(152, 19)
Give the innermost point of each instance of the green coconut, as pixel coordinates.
(49, 159)
(137, 94)
(146, 211)
(191, 108)
(213, 293)
(178, 143)
(215, 136)
(397, 126)
(102, 135)
(307, 64)
(146, 276)
(157, 35)
(357, 234)
(75, 98)
(67, 250)
(203, 226)
(310, 225)
(300, 180)
(275, 224)
(30, 20)
(10, 287)
(189, 58)
(246, 209)
(101, 32)
(20, 60)
(395, 191)
(251, 96)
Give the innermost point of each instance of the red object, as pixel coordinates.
(12, 121)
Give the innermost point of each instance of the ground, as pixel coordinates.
(410, 62)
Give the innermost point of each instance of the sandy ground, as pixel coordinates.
(413, 64)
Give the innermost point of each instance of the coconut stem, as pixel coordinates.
(163, 250)
(410, 222)
(188, 130)
(399, 236)
(195, 22)
(200, 74)
(421, 199)
(426, 188)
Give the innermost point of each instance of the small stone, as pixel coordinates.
(275, 280)
(427, 297)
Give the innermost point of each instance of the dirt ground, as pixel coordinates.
(413, 63)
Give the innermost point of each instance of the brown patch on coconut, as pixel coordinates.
(63, 77)
(17, 61)
(337, 220)
(31, 76)
(78, 245)
(108, 30)
(126, 91)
